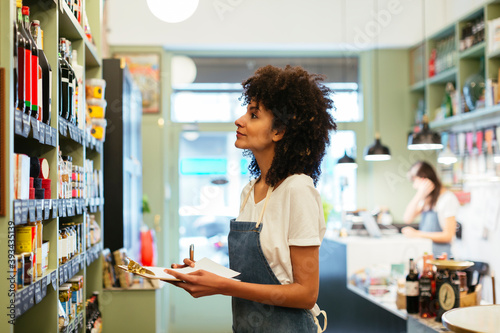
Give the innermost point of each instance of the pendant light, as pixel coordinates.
(426, 139)
(347, 161)
(377, 151)
(172, 11)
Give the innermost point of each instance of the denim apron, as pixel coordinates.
(430, 223)
(246, 256)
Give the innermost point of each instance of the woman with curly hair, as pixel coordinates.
(275, 240)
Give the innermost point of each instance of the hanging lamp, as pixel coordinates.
(426, 139)
(347, 161)
(377, 151)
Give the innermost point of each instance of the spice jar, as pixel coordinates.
(65, 299)
(28, 268)
(19, 271)
(64, 246)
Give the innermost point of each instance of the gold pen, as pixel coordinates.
(191, 252)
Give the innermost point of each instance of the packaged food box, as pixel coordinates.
(94, 88)
(96, 108)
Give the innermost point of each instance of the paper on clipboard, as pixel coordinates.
(205, 264)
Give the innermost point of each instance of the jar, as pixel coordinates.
(28, 268)
(19, 271)
(39, 241)
(64, 246)
(71, 305)
(75, 293)
(65, 299)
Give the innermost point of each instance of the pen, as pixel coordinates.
(191, 252)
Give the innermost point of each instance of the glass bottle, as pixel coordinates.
(412, 289)
(45, 87)
(24, 63)
(35, 68)
(427, 288)
(474, 88)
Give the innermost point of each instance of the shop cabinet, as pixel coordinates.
(122, 160)
(35, 307)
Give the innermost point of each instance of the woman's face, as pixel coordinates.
(412, 176)
(255, 131)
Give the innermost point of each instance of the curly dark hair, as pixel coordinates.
(299, 103)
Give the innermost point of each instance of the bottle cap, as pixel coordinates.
(19, 3)
(26, 10)
(35, 22)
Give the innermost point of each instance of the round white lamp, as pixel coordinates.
(173, 11)
(183, 70)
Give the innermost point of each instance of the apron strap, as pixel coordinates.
(268, 195)
(320, 330)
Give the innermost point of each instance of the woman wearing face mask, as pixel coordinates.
(436, 206)
(274, 242)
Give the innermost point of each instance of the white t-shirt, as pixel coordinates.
(293, 217)
(447, 205)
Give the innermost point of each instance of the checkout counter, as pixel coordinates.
(352, 309)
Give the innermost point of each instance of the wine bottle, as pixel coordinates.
(35, 68)
(45, 88)
(427, 286)
(65, 90)
(14, 69)
(412, 289)
(24, 63)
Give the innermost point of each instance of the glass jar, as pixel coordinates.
(64, 246)
(19, 271)
(65, 299)
(28, 268)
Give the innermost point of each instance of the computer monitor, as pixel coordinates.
(370, 224)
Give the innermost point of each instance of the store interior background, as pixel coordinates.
(292, 28)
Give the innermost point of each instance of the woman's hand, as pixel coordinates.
(187, 263)
(198, 284)
(424, 187)
(410, 232)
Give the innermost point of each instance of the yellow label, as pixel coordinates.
(96, 111)
(24, 239)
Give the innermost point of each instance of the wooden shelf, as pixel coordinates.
(479, 118)
(475, 52)
(444, 77)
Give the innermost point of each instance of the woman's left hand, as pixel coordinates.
(409, 232)
(199, 283)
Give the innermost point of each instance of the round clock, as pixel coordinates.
(446, 296)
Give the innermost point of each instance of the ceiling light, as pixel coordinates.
(347, 161)
(447, 156)
(377, 151)
(172, 11)
(183, 70)
(426, 139)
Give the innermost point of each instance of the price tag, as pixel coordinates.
(61, 122)
(39, 209)
(89, 259)
(55, 203)
(53, 279)
(18, 122)
(32, 209)
(78, 204)
(38, 292)
(34, 127)
(48, 135)
(17, 303)
(46, 209)
(71, 207)
(62, 207)
(43, 286)
(66, 272)
(54, 137)
(31, 295)
(24, 211)
(41, 128)
(74, 267)
(26, 125)
(70, 327)
(17, 212)
(61, 275)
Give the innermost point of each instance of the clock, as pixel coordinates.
(446, 296)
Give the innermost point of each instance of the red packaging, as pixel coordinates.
(46, 183)
(48, 193)
(32, 193)
(44, 168)
(31, 182)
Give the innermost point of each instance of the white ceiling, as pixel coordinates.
(285, 24)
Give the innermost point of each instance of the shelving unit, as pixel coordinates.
(35, 307)
(465, 63)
